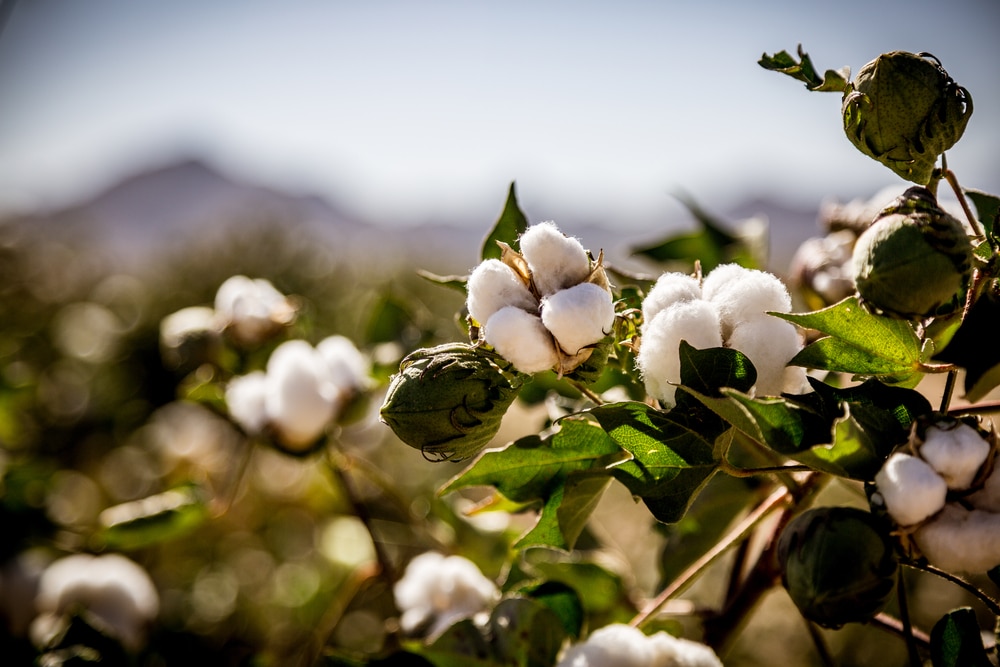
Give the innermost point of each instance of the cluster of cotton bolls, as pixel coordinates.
(300, 393)
(945, 492)
(117, 593)
(728, 308)
(436, 591)
(619, 645)
(544, 307)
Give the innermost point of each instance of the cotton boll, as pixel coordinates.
(670, 288)
(796, 381)
(522, 339)
(670, 651)
(769, 343)
(252, 309)
(988, 497)
(961, 540)
(743, 294)
(658, 360)
(578, 316)
(494, 285)
(556, 261)
(615, 645)
(301, 400)
(245, 398)
(912, 491)
(347, 366)
(436, 591)
(956, 451)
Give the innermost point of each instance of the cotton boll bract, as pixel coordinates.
(494, 285)
(956, 451)
(578, 316)
(658, 360)
(769, 343)
(741, 294)
(911, 489)
(556, 261)
(670, 288)
(522, 339)
(436, 591)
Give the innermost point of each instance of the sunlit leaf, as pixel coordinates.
(987, 211)
(956, 641)
(803, 70)
(974, 348)
(508, 227)
(563, 600)
(158, 518)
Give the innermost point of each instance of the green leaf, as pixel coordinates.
(565, 512)
(956, 641)
(709, 370)
(526, 633)
(974, 348)
(159, 518)
(711, 244)
(858, 341)
(803, 70)
(508, 227)
(600, 589)
(987, 211)
(390, 320)
(564, 602)
(461, 645)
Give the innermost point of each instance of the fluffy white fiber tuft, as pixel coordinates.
(912, 490)
(522, 339)
(696, 322)
(556, 261)
(494, 285)
(578, 316)
(670, 288)
(769, 343)
(955, 453)
(743, 294)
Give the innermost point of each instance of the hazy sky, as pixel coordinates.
(418, 110)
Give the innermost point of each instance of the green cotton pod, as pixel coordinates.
(447, 401)
(904, 110)
(914, 261)
(838, 565)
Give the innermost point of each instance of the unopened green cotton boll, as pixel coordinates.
(448, 401)
(696, 322)
(837, 564)
(522, 339)
(578, 316)
(904, 111)
(910, 488)
(670, 288)
(494, 285)
(556, 261)
(915, 261)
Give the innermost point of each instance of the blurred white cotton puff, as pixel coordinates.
(436, 591)
(556, 261)
(113, 588)
(620, 645)
(252, 310)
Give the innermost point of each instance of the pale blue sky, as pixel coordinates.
(410, 111)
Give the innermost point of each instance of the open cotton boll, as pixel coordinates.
(769, 343)
(578, 316)
(742, 294)
(347, 366)
(659, 359)
(522, 339)
(494, 285)
(796, 381)
(961, 540)
(615, 645)
(301, 400)
(251, 309)
(556, 261)
(988, 497)
(245, 401)
(911, 489)
(670, 288)
(670, 651)
(436, 591)
(955, 453)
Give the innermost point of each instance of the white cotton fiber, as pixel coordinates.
(956, 452)
(911, 489)
(742, 294)
(522, 339)
(578, 316)
(245, 396)
(988, 497)
(301, 399)
(556, 261)
(494, 285)
(620, 645)
(670, 288)
(960, 540)
(769, 343)
(658, 360)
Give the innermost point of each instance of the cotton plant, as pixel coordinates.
(621, 645)
(729, 308)
(544, 308)
(300, 393)
(115, 593)
(437, 590)
(944, 493)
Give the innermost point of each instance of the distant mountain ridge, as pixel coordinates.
(172, 204)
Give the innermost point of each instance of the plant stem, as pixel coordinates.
(989, 602)
(820, 643)
(949, 390)
(731, 470)
(949, 175)
(893, 625)
(904, 617)
(779, 498)
(597, 400)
